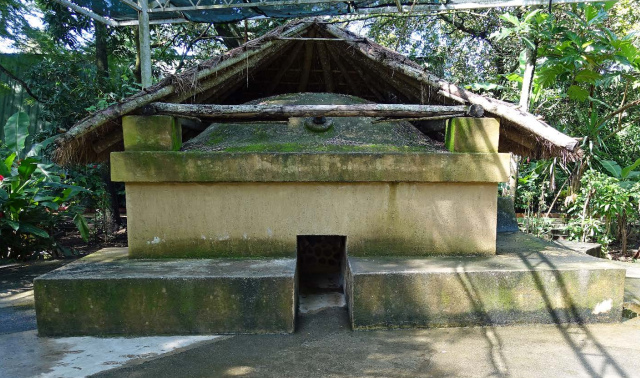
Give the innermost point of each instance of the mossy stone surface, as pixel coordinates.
(466, 134)
(151, 133)
(195, 166)
(109, 294)
(534, 282)
(347, 134)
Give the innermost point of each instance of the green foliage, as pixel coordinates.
(74, 90)
(536, 225)
(588, 67)
(627, 176)
(15, 132)
(34, 199)
(603, 208)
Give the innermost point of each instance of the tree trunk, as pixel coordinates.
(622, 225)
(137, 70)
(102, 55)
(531, 55)
(114, 203)
(525, 98)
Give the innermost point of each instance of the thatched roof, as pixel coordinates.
(309, 56)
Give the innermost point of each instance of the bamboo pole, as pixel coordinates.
(285, 111)
(432, 118)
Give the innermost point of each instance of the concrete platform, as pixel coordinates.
(322, 346)
(107, 293)
(529, 281)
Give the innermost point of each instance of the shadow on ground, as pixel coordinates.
(324, 346)
(17, 313)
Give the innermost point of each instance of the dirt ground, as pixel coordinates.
(633, 251)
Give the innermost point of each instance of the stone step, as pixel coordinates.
(530, 281)
(107, 293)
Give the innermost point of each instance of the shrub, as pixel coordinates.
(603, 209)
(34, 199)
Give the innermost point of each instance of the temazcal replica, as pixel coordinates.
(308, 155)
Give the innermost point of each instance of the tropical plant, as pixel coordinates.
(627, 176)
(34, 199)
(603, 209)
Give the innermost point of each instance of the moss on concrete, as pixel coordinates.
(212, 248)
(508, 289)
(330, 166)
(465, 134)
(151, 133)
(107, 296)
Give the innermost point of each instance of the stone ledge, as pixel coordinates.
(162, 166)
(108, 294)
(534, 286)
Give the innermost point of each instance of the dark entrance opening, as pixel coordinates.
(321, 261)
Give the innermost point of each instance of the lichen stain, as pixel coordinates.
(603, 307)
(156, 240)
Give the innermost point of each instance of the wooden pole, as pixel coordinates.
(285, 111)
(145, 44)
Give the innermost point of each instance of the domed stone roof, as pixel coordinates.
(337, 134)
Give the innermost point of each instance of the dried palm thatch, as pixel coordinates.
(310, 56)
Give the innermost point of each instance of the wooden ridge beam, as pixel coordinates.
(211, 111)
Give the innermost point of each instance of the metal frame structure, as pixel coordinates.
(145, 8)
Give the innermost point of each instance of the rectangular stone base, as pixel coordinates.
(107, 293)
(530, 281)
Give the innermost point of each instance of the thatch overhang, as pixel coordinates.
(310, 56)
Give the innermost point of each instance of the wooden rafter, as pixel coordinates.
(407, 94)
(238, 69)
(518, 138)
(306, 66)
(372, 85)
(347, 78)
(224, 90)
(323, 54)
(284, 68)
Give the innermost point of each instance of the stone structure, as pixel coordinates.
(388, 189)
(401, 202)
(226, 228)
